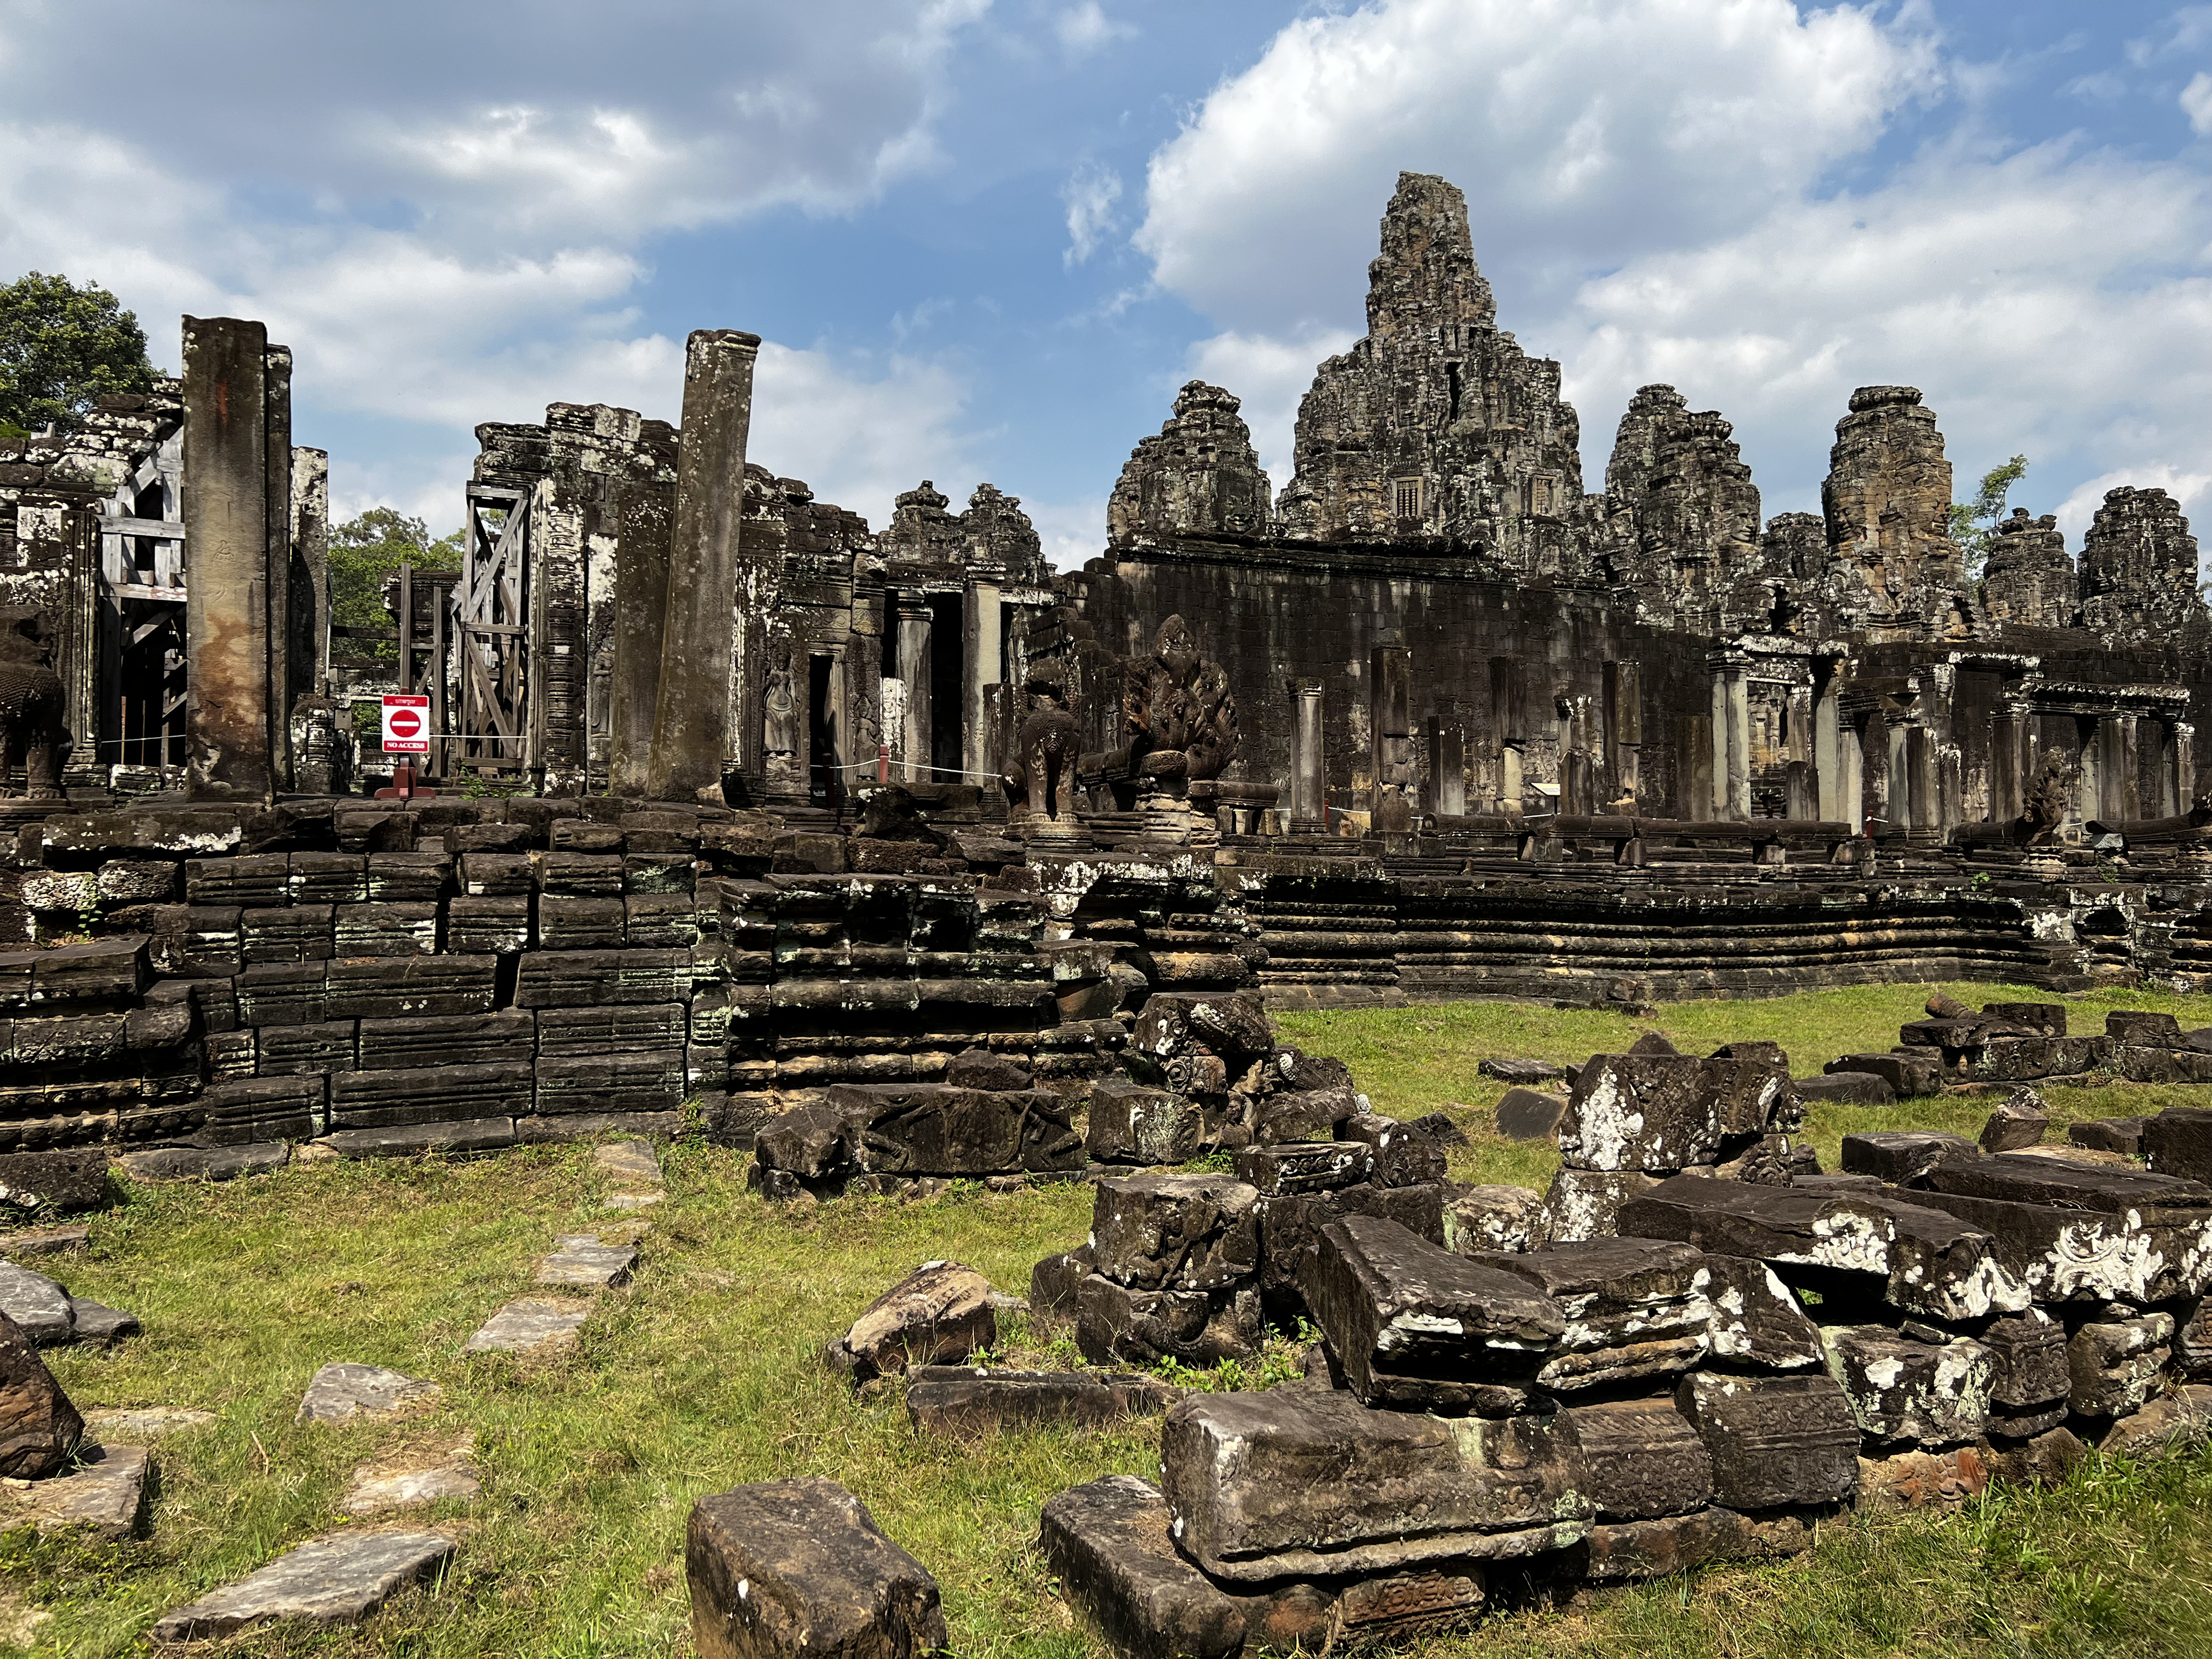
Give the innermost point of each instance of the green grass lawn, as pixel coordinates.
(704, 1374)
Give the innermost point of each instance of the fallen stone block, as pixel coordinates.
(630, 1162)
(1184, 1231)
(1929, 1262)
(1774, 1441)
(1900, 1390)
(339, 1579)
(2167, 1423)
(1118, 1325)
(1660, 1112)
(581, 1260)
(1230, 1024)
(38, 1426)
(1756, 1320)
(799, 1570)
(976, 1399)
(1643, 1457)
(37, 1306)
(1846, 1088)
(2139, 1028)
(1293, 1482)
(938, 1315)
(96, 1322)
(930, 1128)
(1525, 1073)
(62, 1183)
(1628, 1551)
(1440, 1127)
(43, 1241)
(1110, 1544)
(1587, 1203)
(528, 1325)
(1526, 1114)
(1416, 1328)
(1403, 1156)
(812, 1143)
(340, 1392)
(1304, 1166)
(1056, 1279)
(2042, 1459)
(1132, 1124)
(2109, 1134)
(1898, 1156)
(2020, 1121)
(205, 1163)
(120, 1425)
(2178, 1142)
(1908, 1075)
(1634, 1309)
(381, 1488)
(1482, 1220)
(2116, 1365)
(2192, 1340)
(2030, 1378)
(102, 1495)
(414, 1139)
(1291, 1227)
(1300, 1115)
(1918, 1480)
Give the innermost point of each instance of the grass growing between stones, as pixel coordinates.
(704, 1374)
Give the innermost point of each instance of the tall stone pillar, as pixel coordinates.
(1624, 725)
(642, 596)
(1308, 782)
(1390, 724)
(309, 655)
(1828, 751)
(980, 669)
(276, 404)
(1851, 778)
(2184, 770)
(699, 673)
(1739, 746)
(1447, 757)
(2004, 768)
(229, 720)
(914, 617)
(1898, 813)
(2130, 790)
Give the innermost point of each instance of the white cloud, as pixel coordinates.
(1269, 376)
(1071, 531)
(2196, 102)
(857, 437)
(1089, 196)
(1085, 28)
(2190, 489)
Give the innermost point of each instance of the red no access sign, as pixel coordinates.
(406, 724)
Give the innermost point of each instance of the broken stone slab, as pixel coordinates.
(2116, 1365)
(933, 1129)
(2109, 1134)
(1929, 1262)
(1292, 1482)
(1440, 1127)
(1185, 1231)
(1917, 1478)
(1110, 1544)
(1587, 1203)
(979, 1400)
(1756, 1321)
(204, 1163)
(1525, 1073)
(102, 1493)
(1056, 1279)
(632, 1162)
(1659, 1113)
(1654, 1042)
(2076, 1233)
(62, 1183)
(1774, 1441)
(1526, 1114)
(38, 1426)
(1130, 1123)
(379, 1488)
(812, 1143)
(2170, 1422)
(414, 1139)
(44, 1241)
(799, 1569)
(2044, 1460)
(2020, 1121)
(938, 1315)
(96, 1322)
(1483, 1220)
(2029, 1378)
(2142, 1029)
(1909, 1076)
(1304, 1114)
(1402, 1156)
(2178, 1142)
(528, 1325)
(37, 1306)
(1643, 1457)
(340, 1392)
(1117, 1325)
(1898, 1156)
(1846, 1088)
(120, 1424)
(980, 1068)
(2192, 1340)
(1624, 1551)
(1416, 1328)
(1305, 1166)
(341, 1578)
(1634, 1309)
(1900, 1390)
(582, 1260)
(1233, 1026)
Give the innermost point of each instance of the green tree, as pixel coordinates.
(364, 551)
(61, 348)
(1974, 523)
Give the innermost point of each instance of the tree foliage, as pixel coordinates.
(1973, 524)
(61, 347)
(364, 551)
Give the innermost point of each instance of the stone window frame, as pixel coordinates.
(1413, 488)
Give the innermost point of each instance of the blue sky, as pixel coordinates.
(988, 239)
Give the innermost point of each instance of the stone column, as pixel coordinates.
(914, 619)
(1828, 751)
(2131, 789)
(1447, 768)
(1509, 788)
(691, 741)
(1739, 746)
(228, 719)
(980, 668)
(1851, 780)
(2004, 768)
(2112, 756)
(1900, 813)
(276, 404)
(310, 655)
(2184, 772)
(1390, 725)
(642, 594)
(1309, 782)
(1623, 709)
(1717, 798)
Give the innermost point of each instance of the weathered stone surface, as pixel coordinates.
(1921, 1480)
(582, 1260)
(1661, 1548)
(1188, 1233)
(935, 1129)
(2029, 1380)
(2114, 1364)
(2171, 1422)
(2178, 1142)
(1929, 1263)
(978, 1399)
(413, 1482)
(1898, 1156)
(938, 1315)
(120, 1425)
(1642, 1459)
(1479, 1220)
(980, 1068)
(2192, 1340)
(38, 1426)
(1403, 1156)
(1527, 1115)
(2138, 570)
(1658, 1113)
(799, 1570)
(339, 1579)
(1290, 1226)
(1056, 1279)
(412, 1140)
(1232, 1024)
(95, 1321)
(44, 1241)
(1773, 1440)
(37, 1306)
(1198, 476)
(2044, 1460)
(1304, 1114)
(1901, 1389)
(1634, 1309)
(1756, 1320)
(1846, 1088)
(205, 1163)
(1907, 1075)
(2021, 1120)
(1416, 1328)
(1117, 1325)
(2109, 1134)
(61, 1181)
(531, 1325)
(1525, 1073)
(340, 1392)
(1130, 1123)
(1110, 1543)
(812, 1142)
(1299, 1481)
(102, 1495)
(1305, 1166)
(1587, 1203)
